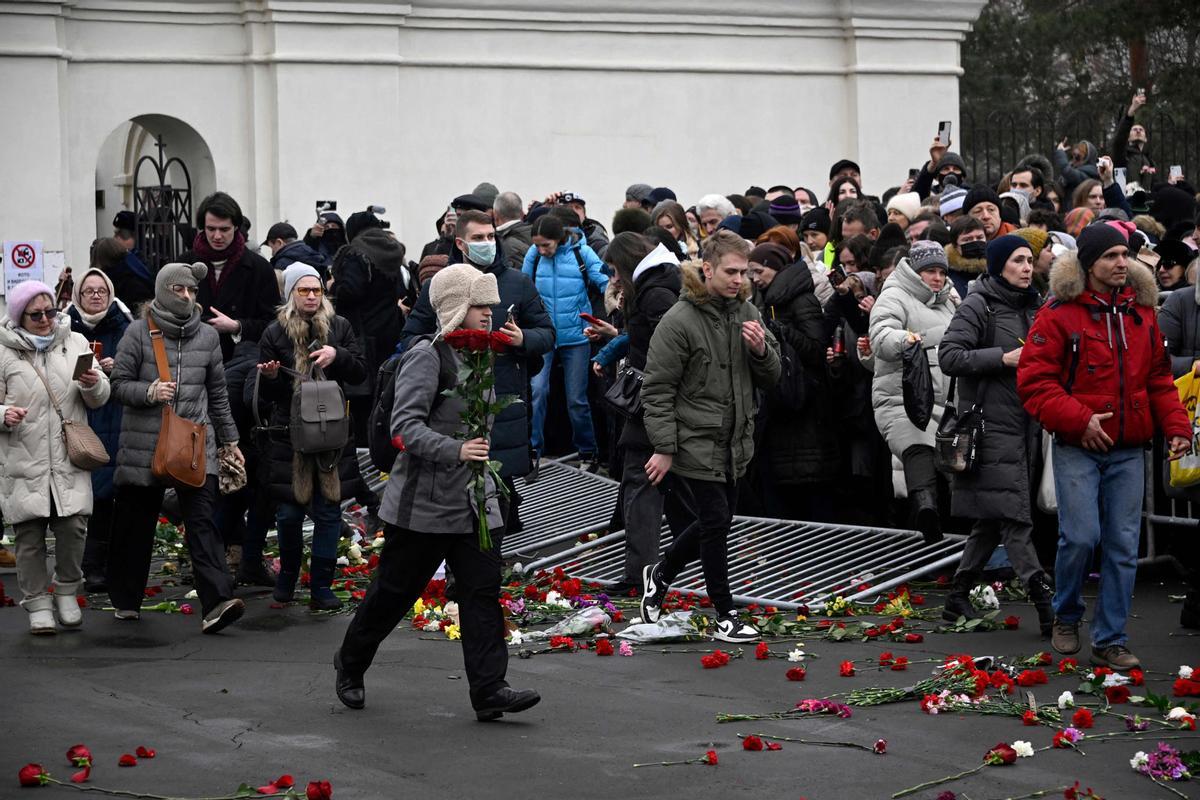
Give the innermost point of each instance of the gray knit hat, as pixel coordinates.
(292, 275)
(172, 274)
(925, 255)
(455, 289)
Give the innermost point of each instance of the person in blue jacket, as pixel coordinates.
(561, 267)
(102, 318)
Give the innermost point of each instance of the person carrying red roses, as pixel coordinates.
(431, 514)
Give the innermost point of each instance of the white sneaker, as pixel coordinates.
(730, 629)
(41, 616)
(652, 594)
(67, 606)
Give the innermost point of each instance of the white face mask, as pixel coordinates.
(481, 253)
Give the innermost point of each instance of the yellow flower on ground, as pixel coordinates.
(418, 607)
(452, 632)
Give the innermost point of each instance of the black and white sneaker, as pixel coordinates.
(225, 613)
(653, 591)
(731, 629)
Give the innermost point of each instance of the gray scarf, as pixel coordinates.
(175, 326)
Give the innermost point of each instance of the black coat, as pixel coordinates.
(1010, 451)
(249, 293)
(368, 282)
(510, 431)
(654, 292)
(131, 288)
(295, 251)
(799, 446)
(347, 367)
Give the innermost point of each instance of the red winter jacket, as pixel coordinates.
(1086, 356)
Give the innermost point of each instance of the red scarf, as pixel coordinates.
(232, 256)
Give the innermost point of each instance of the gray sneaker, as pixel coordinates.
(1116, 656)
(1065, 638)
(225, 613)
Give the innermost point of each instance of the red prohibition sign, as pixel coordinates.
(23, 256)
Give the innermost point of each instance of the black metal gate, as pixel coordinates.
(993, 142)
(163, 210)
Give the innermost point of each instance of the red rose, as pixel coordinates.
(886, 658)
(319, 790)
(1100, 672)
(1044, 658)
(82, 775)
(1137, 676)
(914, 638)
(33, 775)
(1082, 718)
(1030, 718)
(900, 664)
(871, 633)
(1067, 665)
(797, 674)
(880, 746)
(762, 651)
(1000, 755)
(917, 599)
(79, 755)
(126, 760)
(145, 752)
(752, 743)
(1186, 688)
(1117, 694)
(710, 758)
(604, 647)
(846, 670)
(1012, 622)
(774, 746)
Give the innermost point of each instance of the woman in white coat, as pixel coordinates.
(916, 304)
(39, 487)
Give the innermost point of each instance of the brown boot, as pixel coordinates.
(1116, 656)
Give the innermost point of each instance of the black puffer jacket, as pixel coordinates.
(994, 319)
(656, 288)
(799, 445)
(510, 431)
(292, 252)
(347, 367)
(368, 281)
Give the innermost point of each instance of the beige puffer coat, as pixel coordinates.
(34, 466)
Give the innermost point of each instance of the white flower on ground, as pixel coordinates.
(1023, 749)
(1178, 712)
(1185, 672)
(1113, 679)
(1066, 700)
(984, 596)
(1139, 761)
(515, 637)
(355, 554)
(796, 655)
(343, 561)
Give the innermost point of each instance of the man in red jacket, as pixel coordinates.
(1095, 373)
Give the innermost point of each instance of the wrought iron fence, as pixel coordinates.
(992, 142)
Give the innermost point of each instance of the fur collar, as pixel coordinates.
(960, 263)
(1068, 281)
(694, 289)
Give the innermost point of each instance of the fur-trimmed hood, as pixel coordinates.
(960, 263)
(694, 289)
(1068, 280)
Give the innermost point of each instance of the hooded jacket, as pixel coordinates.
(699, 390)
(368, 282)
(1093, 354)
(292, 252)
(331, 242)
(907, 305)
(515, 240)
(34, 470)
(560, 282)
(994, 319)
(1073, 175)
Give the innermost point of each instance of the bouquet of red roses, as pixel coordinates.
(476, 382)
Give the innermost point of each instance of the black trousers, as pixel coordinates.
(408, 562)
(132, 544)
(707, 538)
(99, 533)
(643, 511)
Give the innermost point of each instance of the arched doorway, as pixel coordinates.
(159, 168)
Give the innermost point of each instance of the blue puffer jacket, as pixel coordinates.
(559, 281)
(105, 420)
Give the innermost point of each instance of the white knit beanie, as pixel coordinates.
(907, 203)
(455, 289)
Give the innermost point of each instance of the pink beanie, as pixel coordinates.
(20, 296)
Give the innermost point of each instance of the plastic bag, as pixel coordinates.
(918, 385)
(582, 621)
(1047, 500)
(1186, 471)
(674, 627)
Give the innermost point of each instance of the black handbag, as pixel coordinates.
(625, 394)
(957, 441)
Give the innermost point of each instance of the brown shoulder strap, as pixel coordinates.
(49, 391)
(160, 350)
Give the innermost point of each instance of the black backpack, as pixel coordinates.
(595, 296)
(791, 391)
(379, 423)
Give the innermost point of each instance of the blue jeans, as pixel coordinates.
(576, 360)
(1099, 502)
(327, 526)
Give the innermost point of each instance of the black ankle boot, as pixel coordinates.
(958, 602)
(289, 571)
(321, 596)
(350, 689)
(1041, 592)
(923, 503)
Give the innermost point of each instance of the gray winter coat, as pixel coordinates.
(426, 489)
(1179, 321)
(200, 395)
(993, 320)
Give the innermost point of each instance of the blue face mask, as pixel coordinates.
(481, 253)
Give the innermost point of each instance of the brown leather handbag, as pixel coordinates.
(84, 448)
(179, 455)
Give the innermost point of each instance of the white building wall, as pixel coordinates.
(409, 104)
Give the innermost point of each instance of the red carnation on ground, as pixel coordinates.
(914, 638)
(797, 674)
(319, 790)
(1082, 718)
(1117, 694)
(145, 752)
(33, 775)
(715, 659)
(79, 755)
(1012, 622)
(886, 658)
(900, 664)
(1030, 718)
(846, 670)
(762, 651)
(604, 647)
(710, 758)
(1068, 665)
(126, 760)
(752, 743)
(1137, 676)
(1000, 755)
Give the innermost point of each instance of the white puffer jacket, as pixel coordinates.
(907, 305)
(33, 458)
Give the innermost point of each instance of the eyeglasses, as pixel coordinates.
(310, 291)
(38, 316)
(94, 292)
(179, 288)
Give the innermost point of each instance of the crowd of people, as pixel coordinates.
(755, 353)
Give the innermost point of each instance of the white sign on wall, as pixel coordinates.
(22, 262)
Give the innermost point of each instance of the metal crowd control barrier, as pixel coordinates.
(1161, 509)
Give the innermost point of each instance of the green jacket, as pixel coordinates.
(698, 393)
